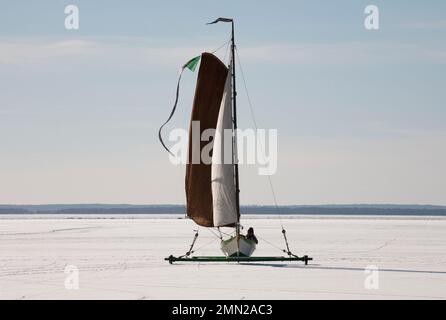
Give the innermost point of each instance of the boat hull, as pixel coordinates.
(238, 247)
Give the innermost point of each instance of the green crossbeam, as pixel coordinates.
(173, 259)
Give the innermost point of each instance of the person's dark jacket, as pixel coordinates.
(252, 237)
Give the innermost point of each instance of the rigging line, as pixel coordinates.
(225, 233)
(226, 53)
(271, 244)
(206, 244)
(188, 253)
(227, 42)
(261, 144)
(288, 251)
(218, 236)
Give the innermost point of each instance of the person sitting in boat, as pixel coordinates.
(251, 236)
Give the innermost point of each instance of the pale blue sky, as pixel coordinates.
(361, 114)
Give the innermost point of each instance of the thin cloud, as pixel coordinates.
(148, 54)
(25, 52)
(425, 25)
(346, 53)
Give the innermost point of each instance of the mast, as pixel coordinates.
(234, 136)
(234, 122)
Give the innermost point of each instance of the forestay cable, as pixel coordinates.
(288, 251)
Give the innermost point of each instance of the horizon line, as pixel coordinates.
(243, 205)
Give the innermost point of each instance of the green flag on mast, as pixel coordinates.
(192, 63)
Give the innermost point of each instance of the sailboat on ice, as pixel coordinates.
(212, 189)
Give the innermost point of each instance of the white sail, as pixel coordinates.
(222, 172)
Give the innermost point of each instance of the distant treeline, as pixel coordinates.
(361, 209)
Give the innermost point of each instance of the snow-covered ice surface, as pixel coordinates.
(121, 257)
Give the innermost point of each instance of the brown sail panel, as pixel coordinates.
(206, 106)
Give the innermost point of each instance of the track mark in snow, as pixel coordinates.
(358, 269)
(46, 232)
(382, 246)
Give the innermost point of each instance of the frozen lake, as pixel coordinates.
(121, 257)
